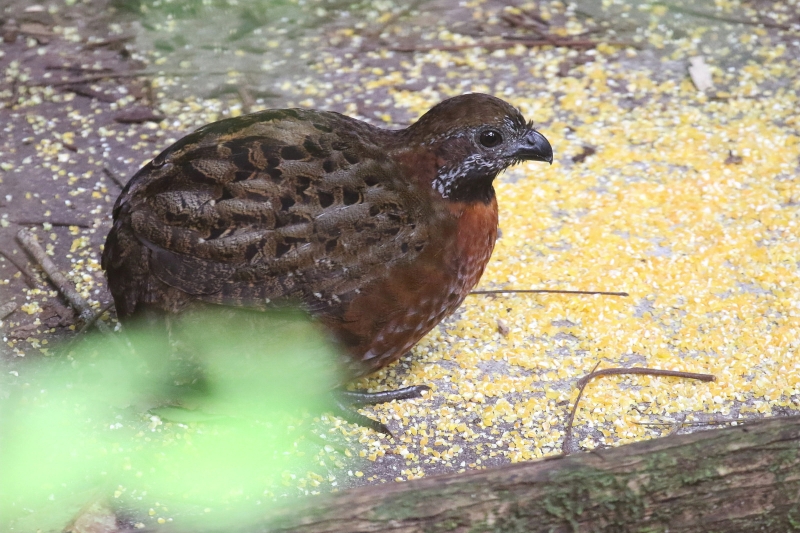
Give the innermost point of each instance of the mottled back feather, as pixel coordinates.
(277, 206)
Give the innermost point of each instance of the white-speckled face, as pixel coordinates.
(474, 165)
(475, 157)
(474, 137)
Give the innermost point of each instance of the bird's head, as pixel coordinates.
(474, 137)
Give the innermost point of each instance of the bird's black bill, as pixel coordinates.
(535, 147)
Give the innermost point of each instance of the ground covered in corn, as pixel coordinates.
(687, 199)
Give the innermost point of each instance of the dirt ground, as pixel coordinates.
(688, 199)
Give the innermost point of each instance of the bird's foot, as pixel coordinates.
(345, 402)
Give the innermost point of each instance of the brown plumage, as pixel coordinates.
(379, 234)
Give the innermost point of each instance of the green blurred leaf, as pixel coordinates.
(95, 418)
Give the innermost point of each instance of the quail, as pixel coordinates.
(378, 234)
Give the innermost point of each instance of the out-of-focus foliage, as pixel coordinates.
(251, 13)
(84, 423)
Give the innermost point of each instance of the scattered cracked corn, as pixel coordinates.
(705, 243)
(706, 247)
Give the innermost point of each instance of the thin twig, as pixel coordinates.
(677, 426)
(547, 291)
(717, 422)
(110, 41)
(83, 90)
(91, 322)
(246, 98)
(55, 223)
(140, 74)
(645, 372)
(113, 176)
(498, 45)
(730, 20)
(78, 68)
(32, 246)
(568, 444)
(89, 79)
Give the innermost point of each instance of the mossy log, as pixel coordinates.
(737, 479)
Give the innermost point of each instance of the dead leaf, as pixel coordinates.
(700, 73)
(502, 327)
(54, 316)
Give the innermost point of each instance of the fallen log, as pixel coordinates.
(738, 479)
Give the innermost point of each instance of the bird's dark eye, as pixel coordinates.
(491, 138)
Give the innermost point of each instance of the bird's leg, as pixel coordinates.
(345, 401)
(360, 398)
(345, 411)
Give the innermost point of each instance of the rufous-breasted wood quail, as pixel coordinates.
(378, 234)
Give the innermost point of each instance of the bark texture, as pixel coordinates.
(740, 479)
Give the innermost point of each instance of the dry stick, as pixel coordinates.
(730, 20)
(55, 223)
(113, 176)
(566, 43)
(718, 422)
(84, 79)
(646, 372)
(110, 41)
(121, 341)
(568, 438)
(31, 245)
(246, 98)
(548, 291)
(677, 426)
(141, 74)
(90, 78)
(568, 443)
(511, 37)
(95, 318)
(78, 68)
